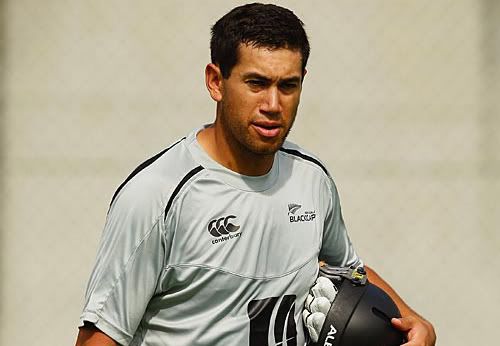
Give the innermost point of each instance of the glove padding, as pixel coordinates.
(318, 303)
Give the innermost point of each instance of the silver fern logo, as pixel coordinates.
(292, 208)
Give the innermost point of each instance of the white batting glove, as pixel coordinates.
(318, 303)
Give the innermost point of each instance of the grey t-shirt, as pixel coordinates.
(195, 254)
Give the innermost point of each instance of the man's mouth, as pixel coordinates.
(267, 129)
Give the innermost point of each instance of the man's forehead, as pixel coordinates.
(268, 61)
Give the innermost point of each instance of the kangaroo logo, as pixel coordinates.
(222, 226)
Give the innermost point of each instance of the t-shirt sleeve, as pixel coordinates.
(129, 263)
(336, 248)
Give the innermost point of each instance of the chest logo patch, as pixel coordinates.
(223, 229)
(306, 216)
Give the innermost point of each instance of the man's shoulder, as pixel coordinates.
(158, 176)
(294, 151)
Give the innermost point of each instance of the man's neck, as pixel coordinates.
(232, 155)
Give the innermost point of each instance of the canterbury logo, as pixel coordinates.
(222, 226)
(292, 208)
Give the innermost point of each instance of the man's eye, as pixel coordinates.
(289, 86)
(255, 82)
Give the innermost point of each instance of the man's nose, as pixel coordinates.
(271, 103)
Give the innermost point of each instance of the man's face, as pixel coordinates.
(260, 98)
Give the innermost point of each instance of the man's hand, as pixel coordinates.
(419, 332)
(318, 303)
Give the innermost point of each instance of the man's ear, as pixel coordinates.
(214, 81)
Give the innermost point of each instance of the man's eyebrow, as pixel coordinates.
(295, 79)
(255, 75)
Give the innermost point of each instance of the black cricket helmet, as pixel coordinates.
(361, 313)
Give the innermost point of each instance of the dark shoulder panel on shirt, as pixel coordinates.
(141, 167)
(179, 186)
(159, 178)
(298, 152)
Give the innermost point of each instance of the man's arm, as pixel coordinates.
(91, 336)
(418, 329)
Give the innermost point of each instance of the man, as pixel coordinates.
(218, 237)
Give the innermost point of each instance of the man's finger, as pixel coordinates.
(403, 324)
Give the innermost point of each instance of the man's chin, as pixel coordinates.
(267, 148)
